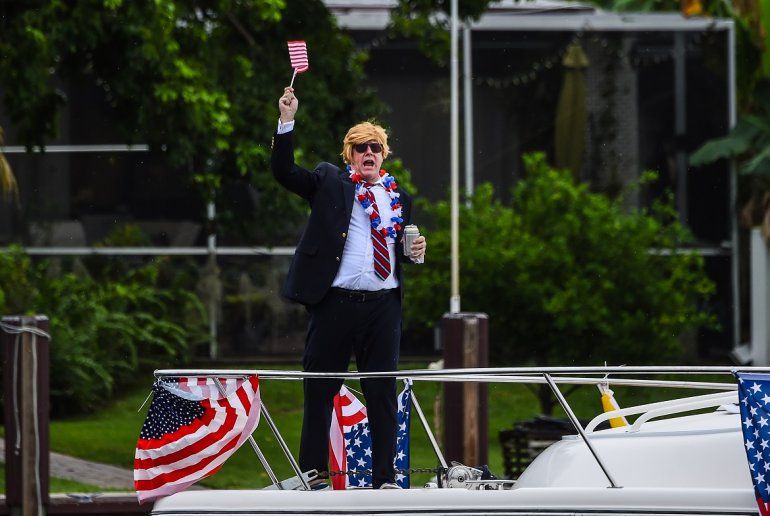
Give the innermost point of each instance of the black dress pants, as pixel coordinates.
(339, 325)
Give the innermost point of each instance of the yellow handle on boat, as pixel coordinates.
(609, 404)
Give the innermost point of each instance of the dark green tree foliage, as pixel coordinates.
(106, 328)
(566, 275)
(197, 79)
(427, 21)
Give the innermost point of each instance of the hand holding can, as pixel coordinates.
(411, 233)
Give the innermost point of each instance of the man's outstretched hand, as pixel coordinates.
(418, 248)
(288, 104)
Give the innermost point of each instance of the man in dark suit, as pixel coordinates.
(347, 272)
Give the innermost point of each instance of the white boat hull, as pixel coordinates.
(518, 502)
(693, 465)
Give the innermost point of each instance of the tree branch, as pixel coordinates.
(240, 28)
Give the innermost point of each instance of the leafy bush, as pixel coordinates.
(566, 275)
(15, 287)
(103, 330)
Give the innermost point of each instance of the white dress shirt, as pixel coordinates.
(356, 270)
(284, 128)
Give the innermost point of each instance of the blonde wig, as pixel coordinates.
(362, 133)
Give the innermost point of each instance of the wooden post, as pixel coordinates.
(26, 384)
(465, 341)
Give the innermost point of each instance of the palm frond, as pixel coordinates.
(8, 186)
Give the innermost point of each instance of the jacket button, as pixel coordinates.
(344, 234)
(338, 258)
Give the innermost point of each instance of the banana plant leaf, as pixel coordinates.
(759, 165)
(738, 142)
(749, 138)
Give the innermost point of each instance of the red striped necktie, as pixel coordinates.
(379, 244)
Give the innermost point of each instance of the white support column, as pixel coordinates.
(454, 145)
(680, 124)
(468, 108)
(760, 299)
(735, 267)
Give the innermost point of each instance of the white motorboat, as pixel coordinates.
(684, 464)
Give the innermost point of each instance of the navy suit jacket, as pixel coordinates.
(330, 193)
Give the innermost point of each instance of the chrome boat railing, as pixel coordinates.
(553, 376)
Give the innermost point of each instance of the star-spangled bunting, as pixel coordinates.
(350, 440)
(190, 431)
(754, 398)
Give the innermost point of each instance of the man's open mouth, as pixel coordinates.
(368, 163)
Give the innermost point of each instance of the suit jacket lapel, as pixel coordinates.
(348, 192)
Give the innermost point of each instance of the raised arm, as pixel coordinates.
(294, 178)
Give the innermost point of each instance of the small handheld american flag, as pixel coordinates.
(298, 58)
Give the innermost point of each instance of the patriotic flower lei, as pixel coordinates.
(389, 182)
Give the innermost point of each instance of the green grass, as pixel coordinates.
(109, 435)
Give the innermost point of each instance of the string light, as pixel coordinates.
(537, 68)
(630, 59)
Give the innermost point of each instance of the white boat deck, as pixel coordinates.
(690, 452)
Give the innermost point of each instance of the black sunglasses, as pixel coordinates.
(361, 147)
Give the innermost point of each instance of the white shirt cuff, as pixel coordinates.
(284, 128)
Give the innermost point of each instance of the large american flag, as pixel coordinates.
(350, 441)
(298, 56)
(191, 429)
(754, 397)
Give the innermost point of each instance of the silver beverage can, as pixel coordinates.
(411, 232)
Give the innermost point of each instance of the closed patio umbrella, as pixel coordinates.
(570, 133)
